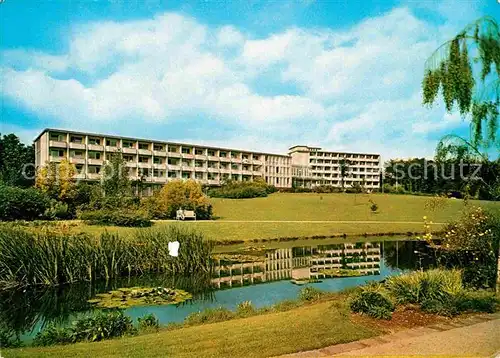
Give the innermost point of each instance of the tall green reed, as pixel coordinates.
(51, 258)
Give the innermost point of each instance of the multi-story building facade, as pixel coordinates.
(313, 166)
(157, 162)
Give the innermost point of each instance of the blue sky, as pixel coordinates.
(263, 75)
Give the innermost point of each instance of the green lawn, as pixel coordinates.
(240, 219)
(304, 328)
(337, 207)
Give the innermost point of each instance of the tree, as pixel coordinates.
(179, 194)
(57, 180)
(115, 182)
(344, 169)
(462, 68)
(17, 162)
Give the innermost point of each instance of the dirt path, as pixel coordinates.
(481, 339)
(475, 336)
(307, 221)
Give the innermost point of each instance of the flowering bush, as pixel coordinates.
(470, 243)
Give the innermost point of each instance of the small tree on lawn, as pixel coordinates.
(57, 180)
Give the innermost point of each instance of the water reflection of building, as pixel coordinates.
(307, 262)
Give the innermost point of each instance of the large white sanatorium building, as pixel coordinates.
(157, 162)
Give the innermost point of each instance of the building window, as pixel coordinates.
(144, 146)
(56, 153)
(211, 153)
(172, 149)
(143, 159)
(198, 151)
(186, 150)
(57, 137)
(94, 155)
(111, 142)
(94, 141)
(94, 169)
(277, 169)
(75, 139)
(158, 147)
(157, 160)
(222, 154)
(127, 144)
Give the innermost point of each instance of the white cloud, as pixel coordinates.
(356, 89)
(229, 36)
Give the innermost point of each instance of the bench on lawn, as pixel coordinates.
(185, 214)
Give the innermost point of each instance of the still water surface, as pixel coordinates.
(264, 280)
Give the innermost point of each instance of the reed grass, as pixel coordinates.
(52, 258)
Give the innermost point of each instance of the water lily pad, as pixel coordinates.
(140, 296)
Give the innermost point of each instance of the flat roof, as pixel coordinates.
(318, 149)
(152, 140)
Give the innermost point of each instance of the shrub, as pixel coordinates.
(51, 335)
(418, 287)
(57, 210)
(323, 189)
(130, 218)
(104, 325)
(394, 189)
(245, 308)
(175, 195)
(373, 206)
(285, 305)
(478, 301)
(22, 204)
(372, 300)
(210, 315)
(242, 190)
(9, 340)
(309, 293)
(149, 322)
(472, 242)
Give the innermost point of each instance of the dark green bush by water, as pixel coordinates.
(372, 300)
(28, 258)
(435, 291)
(104, 325)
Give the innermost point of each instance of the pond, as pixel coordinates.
(263, 276)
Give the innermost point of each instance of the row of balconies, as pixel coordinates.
(337, 167)
(90, 161)
(149, 179)
(159, 153)
(343, 156)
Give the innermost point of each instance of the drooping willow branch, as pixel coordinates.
(466, 71)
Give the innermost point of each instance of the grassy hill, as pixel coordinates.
(291, 215)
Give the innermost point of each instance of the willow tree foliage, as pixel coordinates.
(465, 70)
